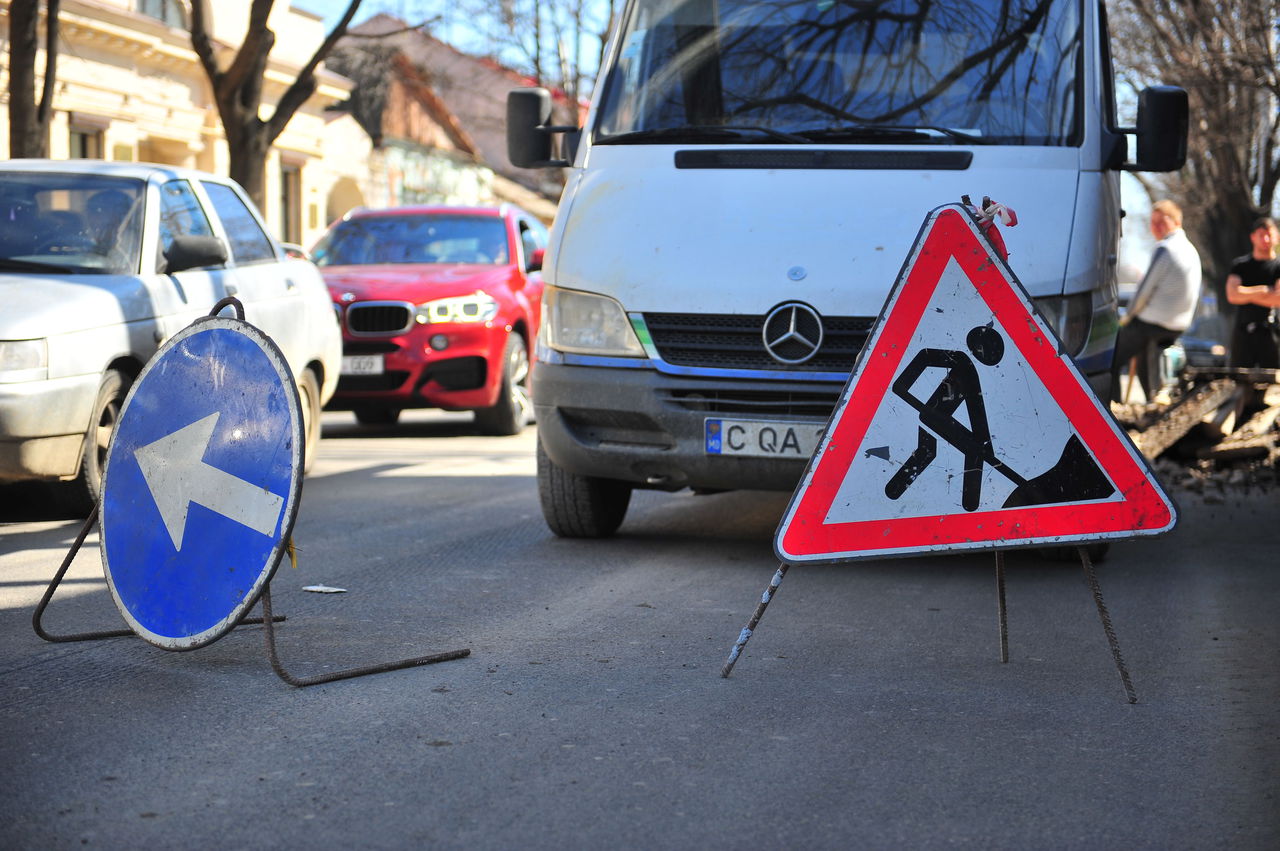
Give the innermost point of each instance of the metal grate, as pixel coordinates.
(734, 341)
(379, 317)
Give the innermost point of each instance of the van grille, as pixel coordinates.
(379, 317)
(735, 341)
(757, 403)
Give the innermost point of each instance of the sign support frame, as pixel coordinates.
(997, 257)
(268, 620)
(1090, 576)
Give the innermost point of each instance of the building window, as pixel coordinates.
(290, 203)
(85, 144)
(167, 11)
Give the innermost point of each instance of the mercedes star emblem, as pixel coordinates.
(792, 333)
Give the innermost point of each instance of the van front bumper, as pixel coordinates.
(648, 428)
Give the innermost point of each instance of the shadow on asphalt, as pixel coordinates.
(28, 502)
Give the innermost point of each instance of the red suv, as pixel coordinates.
(439, 307)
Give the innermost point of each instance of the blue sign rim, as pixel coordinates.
(290, 510)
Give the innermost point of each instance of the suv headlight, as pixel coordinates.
(23, 360)
(477, 307)
(587, 324)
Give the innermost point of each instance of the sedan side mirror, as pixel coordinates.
(194, 252)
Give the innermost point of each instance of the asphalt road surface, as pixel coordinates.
(870, 710)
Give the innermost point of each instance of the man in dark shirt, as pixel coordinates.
(1253, 285)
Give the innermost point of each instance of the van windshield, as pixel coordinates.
(854, 71)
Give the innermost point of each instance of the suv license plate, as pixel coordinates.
(762, 438)
(362, 365)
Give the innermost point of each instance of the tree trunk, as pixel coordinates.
(29, 120)
(248, 149)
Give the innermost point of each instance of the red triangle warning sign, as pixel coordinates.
(964, 426)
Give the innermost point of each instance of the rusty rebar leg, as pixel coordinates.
(301, 682)
(37, 616)
(1004, 618)
(1106, 623)
(745, 635)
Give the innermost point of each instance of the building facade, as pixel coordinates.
(130, 87)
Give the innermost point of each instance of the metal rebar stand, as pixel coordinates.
(1092, 579)
(1003, 613)
(747, 630)
(37, 617)
(301, 682)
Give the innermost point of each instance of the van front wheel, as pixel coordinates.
(580, 506)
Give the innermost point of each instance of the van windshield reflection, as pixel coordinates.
(855, 71)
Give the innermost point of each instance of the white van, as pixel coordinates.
(750, 179)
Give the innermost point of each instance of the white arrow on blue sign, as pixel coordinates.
(202, 483)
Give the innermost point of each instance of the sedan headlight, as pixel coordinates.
(23, 360)
(477, 307)
(587, 324)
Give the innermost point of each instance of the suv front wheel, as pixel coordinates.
(513, 410)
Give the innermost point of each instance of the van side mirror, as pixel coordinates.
(1163, 117)
(194, 252)
(535, 260)
(528, 133)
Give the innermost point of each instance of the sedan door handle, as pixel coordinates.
(232, 289)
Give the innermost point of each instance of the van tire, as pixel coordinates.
(580, 506)
(513, 410)
(82, 494)
(309, 399)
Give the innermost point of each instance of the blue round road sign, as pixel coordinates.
(202, 483)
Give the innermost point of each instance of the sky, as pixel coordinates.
(453, 26)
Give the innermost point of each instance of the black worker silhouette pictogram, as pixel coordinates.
(1075, 476)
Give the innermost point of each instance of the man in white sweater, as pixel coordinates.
(1164, 304)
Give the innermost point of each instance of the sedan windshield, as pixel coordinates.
(846, 71)
(70, 223)
(413, 239)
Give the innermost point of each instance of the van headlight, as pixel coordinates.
(1071, 317)
(589, 324)
(477, 307)
(23, 360)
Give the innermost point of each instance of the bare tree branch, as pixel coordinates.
(1225, 55)
(45, 110)
(202, 44)
(305, 84)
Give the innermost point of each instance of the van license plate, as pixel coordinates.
(362, 365)
(762, 438)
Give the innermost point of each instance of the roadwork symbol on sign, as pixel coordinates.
(201, 483)
(965, 426)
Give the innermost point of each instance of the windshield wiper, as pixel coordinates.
(857, 132)
(13, 264)
(701, 132)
